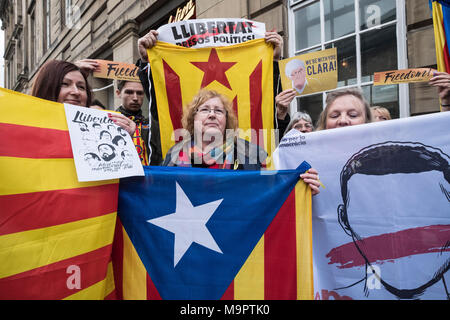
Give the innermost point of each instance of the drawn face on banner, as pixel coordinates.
(391, 188)
(126, 155)
(105, 136)
(92, 159)
(107, 152)
(83, 127)
(122, 132)
(119, 141)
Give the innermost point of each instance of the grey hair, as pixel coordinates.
(296, 117)
(292, 65)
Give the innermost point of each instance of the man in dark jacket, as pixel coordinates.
(132, 96)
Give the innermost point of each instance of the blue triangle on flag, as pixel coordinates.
(241, 205)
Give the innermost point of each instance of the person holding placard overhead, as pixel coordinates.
(441, 80)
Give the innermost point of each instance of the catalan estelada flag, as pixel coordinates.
(55, 233)
(210, 234)
(242, 72)
(441, 23)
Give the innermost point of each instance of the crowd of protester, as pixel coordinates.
(209, 115)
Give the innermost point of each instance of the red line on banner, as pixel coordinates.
(28, 211)
(35, 143)
(55, 281)
(390, 246)
(235, 107)
(173, 93)
(256, 103)
(280, 254)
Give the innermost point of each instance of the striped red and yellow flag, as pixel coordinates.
(279, 268)
(55, 233)
(242, 72)
(441, 23)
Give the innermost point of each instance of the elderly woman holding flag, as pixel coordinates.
(210, 137)
(211, 140)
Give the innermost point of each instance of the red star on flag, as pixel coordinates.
(214, 69)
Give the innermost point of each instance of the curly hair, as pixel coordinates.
(202, 96)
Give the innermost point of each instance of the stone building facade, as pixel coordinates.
(36, 31)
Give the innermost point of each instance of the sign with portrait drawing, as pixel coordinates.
(311, 72)
(101, 149)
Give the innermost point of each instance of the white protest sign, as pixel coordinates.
(381, 225)
(217, 32)
(101, 149)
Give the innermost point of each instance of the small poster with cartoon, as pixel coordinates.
(311, 72)
(101, 149)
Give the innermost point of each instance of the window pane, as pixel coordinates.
(307, 26)
(346, 53)
(378, 52)
(376, 12)
(311, 50)
(339, 18)
(383, 96)
(313, 105)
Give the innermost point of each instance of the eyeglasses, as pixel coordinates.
(205, 111)
(301, 126)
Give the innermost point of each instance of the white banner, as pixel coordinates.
(381, 226)
(217, 32)
(101, 149)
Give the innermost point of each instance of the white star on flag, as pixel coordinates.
(188, 223)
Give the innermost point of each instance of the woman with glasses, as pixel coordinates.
(210, 140)
(300, 121)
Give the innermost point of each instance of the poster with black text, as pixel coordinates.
(101, 149)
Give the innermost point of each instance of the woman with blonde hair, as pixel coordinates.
(346, 107)
(380, 113)
(211, 140)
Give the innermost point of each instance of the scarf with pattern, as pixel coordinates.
(220, 157)
(141, 123)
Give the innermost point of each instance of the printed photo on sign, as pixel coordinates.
(218, 32)
(310, 73)
(101, 149)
